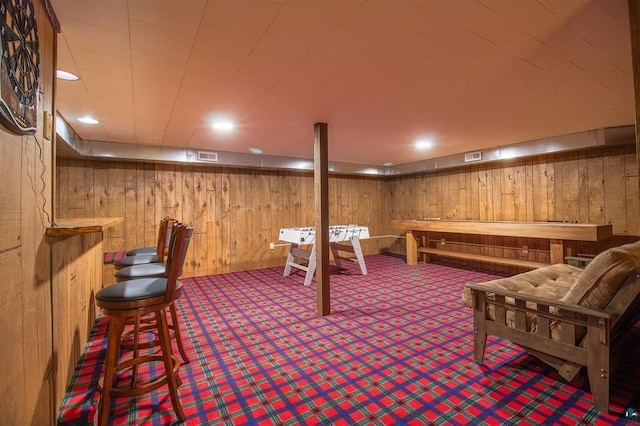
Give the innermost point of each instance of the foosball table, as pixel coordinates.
(337, 235)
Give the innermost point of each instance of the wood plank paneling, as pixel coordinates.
(237, 213)
(149, 211)
(614, 192)
(27, 357)
(588, 186)
(199, 216)
(12, 366)
(225, 218)
(10, 197)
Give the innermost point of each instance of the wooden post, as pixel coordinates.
(634, 23)
(412, 248)
(321, 192)
(556, 251)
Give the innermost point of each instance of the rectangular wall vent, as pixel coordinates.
(473, 156)
(207, 156)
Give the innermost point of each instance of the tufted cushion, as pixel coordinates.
(603, 276)
(550, 282)
(136, 260)
(126, 291)
(149, 270)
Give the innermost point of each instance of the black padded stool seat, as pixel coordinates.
(149, 284)
(136, 260)
(143, 251)
(143, 288)
(132, 300)
(148, 270)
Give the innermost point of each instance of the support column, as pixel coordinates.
(321, 192)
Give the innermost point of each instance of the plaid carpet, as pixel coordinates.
(398, 349)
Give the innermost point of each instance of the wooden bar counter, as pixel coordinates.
(85, 225)
(77, 260)
(558, 234)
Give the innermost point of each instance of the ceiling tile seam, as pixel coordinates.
(297, 64)
(184, 72)
(134, 109)
(253, 48)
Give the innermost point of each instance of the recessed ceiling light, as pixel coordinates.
(64, 75)
(387, 164)
(88, 120)
(224, 126)
(424, 144)
(255, 150)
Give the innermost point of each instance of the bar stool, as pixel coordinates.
(151, 270)
(164, 234)
(132, 299)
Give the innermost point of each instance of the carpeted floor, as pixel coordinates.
(397, 349)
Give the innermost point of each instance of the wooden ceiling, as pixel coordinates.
(468, 74)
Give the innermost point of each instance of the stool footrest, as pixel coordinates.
(141, 389)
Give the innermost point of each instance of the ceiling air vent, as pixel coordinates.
(207, 156)
(473, 156)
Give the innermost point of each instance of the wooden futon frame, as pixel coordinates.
(552, 330)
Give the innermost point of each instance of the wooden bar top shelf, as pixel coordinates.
(558, 233)
(84, 225)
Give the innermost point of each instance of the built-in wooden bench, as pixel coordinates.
(523, 263)
(557, 233)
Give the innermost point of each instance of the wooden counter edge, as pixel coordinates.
(548, 230)
(85, 225)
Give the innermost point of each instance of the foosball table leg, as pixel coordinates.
(311, 266)
(336, 255)
(357, 250)
(290, 260)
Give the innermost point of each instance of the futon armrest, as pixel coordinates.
(561, 330)
(531, 299)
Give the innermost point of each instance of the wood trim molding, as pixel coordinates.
(51, 14)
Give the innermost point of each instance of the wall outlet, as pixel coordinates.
(442, 241)
(272, 246)
(525, 249)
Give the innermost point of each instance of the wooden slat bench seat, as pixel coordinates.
(523, 263)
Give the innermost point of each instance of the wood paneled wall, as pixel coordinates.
(236, 213)
(26, 352)
(589, 186)
(596, 185)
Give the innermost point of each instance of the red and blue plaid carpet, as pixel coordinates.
(398, 349)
